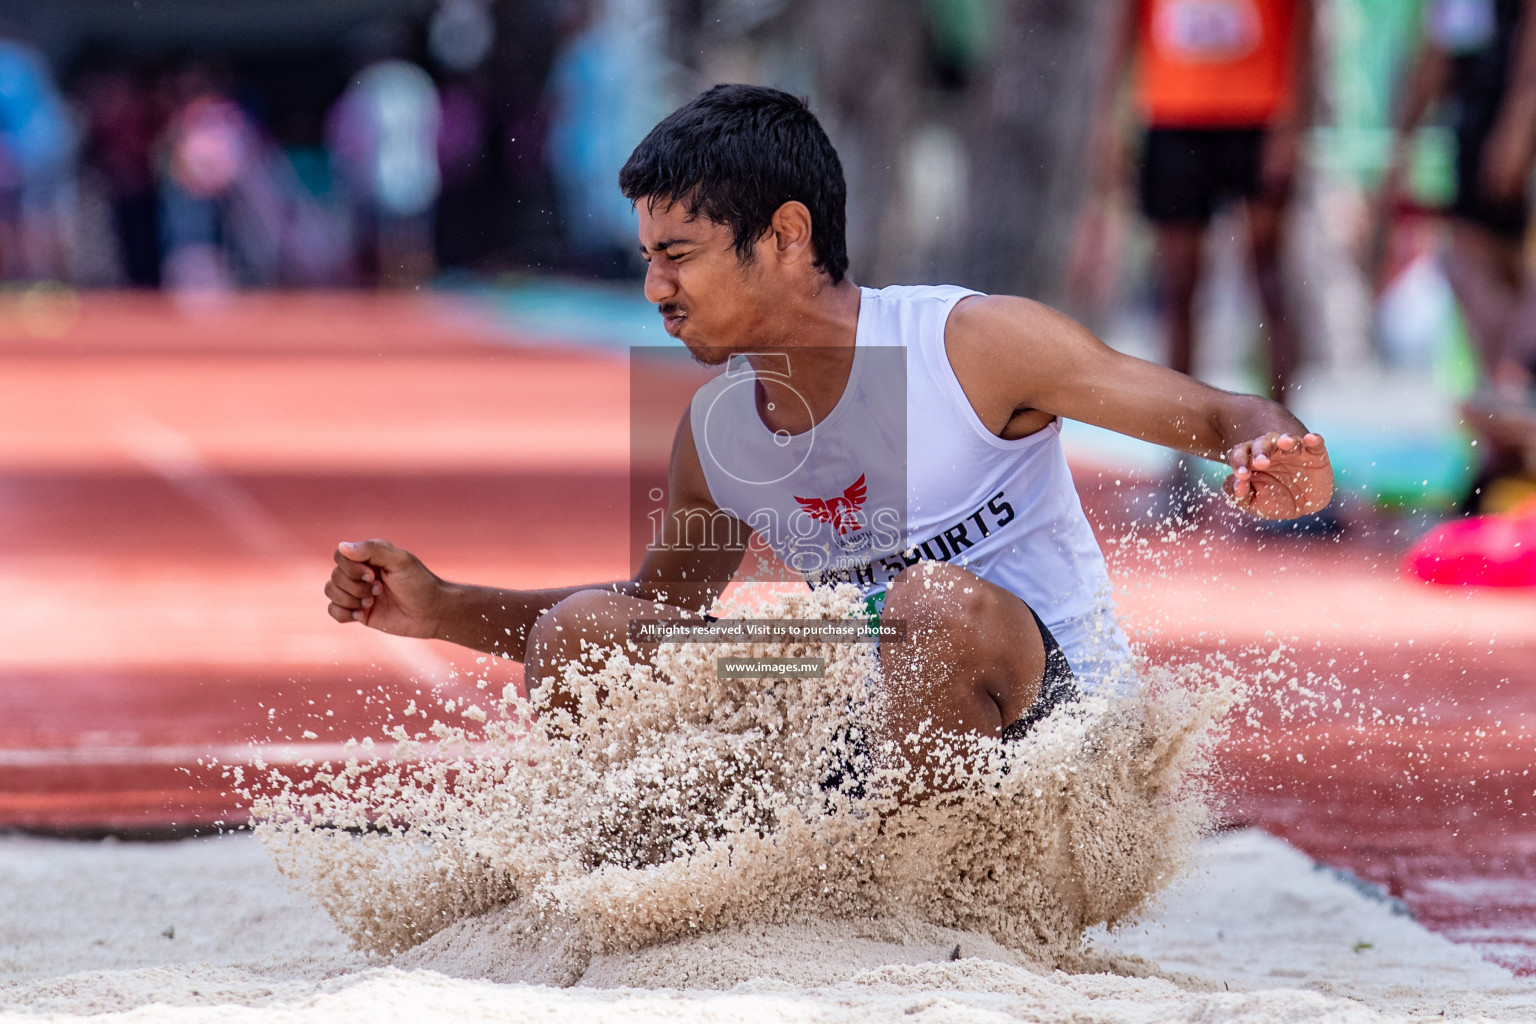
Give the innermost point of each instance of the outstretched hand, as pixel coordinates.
(1278, 476)
(385, 587)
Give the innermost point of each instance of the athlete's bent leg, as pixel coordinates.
(972, 660)
(587, 621)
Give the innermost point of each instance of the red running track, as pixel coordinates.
(173, 479)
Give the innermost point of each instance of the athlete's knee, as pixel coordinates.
(937, 595)
(572, 625)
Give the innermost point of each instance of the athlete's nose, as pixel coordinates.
(660, 285)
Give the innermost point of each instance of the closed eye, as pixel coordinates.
(667, 248)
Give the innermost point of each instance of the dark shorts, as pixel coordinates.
(1504, 218)
(1188, 173)
(1057, 687)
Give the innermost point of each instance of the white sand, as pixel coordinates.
(1255, 933)
(680, 802)
(675, 854)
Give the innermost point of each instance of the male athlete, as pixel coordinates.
(986, 558)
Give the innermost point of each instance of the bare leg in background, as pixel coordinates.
(1266, 240)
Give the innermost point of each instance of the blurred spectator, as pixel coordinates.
(518, 158)
(37, 163)
(207, 147)
(1222, 92)
(461, 152)
(233, 210)
(383, 134)
(124, 119)
(459, 39)
(604, 93)
(1481, 56)
(461, 34)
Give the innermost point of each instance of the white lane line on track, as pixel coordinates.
(244, 755)
(72, 757)
(175, 459)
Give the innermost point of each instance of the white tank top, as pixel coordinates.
(880, 484)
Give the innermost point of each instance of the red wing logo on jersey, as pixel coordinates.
(837, 511)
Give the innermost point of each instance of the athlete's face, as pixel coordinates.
(708, 298)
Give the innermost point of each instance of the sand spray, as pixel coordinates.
(677, 802)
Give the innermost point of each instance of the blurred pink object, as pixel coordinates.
(1484, 551)
(210, 146)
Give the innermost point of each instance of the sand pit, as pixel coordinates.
(683, 850)
(680, 802)
(1255, 932)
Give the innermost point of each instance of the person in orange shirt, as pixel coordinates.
(1221, 92)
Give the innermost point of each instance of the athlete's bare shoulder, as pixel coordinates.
(1003, 325)
(998, 345)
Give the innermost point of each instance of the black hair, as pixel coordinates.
(736, 154)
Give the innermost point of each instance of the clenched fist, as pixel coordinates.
(382, 586)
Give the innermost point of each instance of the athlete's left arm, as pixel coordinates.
(1012, 355)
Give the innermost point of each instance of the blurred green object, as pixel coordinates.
(311, 165)
(1437, 476)
(1456, 367)
(965, 32)
(1373, 46)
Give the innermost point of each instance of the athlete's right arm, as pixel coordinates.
(389, 589)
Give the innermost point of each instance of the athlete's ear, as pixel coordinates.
(791, 236)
